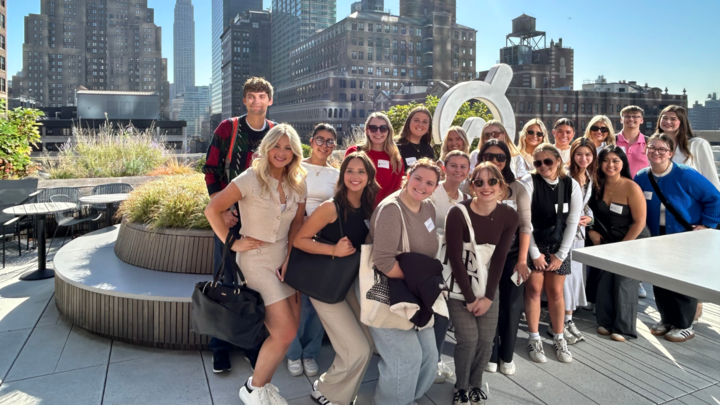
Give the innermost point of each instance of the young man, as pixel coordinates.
(230, 153)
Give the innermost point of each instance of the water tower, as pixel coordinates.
(520, 43)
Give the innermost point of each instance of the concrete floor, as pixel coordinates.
(44, 359)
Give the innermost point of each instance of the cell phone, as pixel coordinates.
(277, 273)
(515, 278)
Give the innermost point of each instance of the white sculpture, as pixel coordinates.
(491, 91)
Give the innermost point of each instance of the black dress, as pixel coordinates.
(355, 227)
(411, 152)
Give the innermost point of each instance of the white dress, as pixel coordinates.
(574, 287)
(321, 182)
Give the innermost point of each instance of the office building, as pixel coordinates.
(183, 46)
(705, 117)
(192, 106)
(4, 87)
(106, 46)
(246, 53)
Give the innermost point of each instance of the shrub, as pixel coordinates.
(19, 129)
(169, 202)
(172, 167)
(306, 149)
(199, 164)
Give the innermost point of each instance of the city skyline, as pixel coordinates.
(652, 44)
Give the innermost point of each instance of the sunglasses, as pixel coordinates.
(547, 162)
(320, 142)
(480, 182)
(604, 130)
(489, 157)
(539, 134)
(374, 128)
(494, 134)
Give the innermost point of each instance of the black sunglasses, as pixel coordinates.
(374, 128)
(604, 130)
(489, 157)
(480, 182)
(530, 132)
(548, 162)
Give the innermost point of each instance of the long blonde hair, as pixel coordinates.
(294, 172)
(523, 133)
(389, 146)
(462, 134)
(508, 141)
(610, 138)
(552, 150)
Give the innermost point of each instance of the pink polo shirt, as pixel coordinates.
(635, 152)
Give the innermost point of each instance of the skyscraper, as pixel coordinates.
(109, 45)
(223, 11)
(3, 51)
(184, 45)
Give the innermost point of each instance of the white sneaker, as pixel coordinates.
(295, 367)
(507, 368)
(257, 397)
(561, 350)
(573, 330)
(311, 367)
(318, 397)
(273, 395)
(460, 397)
(491, 367)
(535, 350)
(477, 396)
(641, 292)
(680, 335)
(443, 373)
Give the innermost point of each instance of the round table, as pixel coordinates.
(108, 200)
(39, 210)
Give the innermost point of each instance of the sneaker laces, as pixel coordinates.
(573, 328)
(536, 345)
(460, 396)
(477, 395)
(561, 344)
(272, 392)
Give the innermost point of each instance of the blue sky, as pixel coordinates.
(660, 42)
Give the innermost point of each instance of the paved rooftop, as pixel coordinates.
(44, 359)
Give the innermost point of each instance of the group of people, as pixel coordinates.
(506, 218)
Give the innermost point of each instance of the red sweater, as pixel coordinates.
(388, 180)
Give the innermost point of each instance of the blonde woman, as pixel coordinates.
(271, 196)
(532, 135)
(600, 131)
(456, 139)
(383, 152)
(494, 129)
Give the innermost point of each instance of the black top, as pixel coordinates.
(611, 225)
(411, 152)
(355, 228)
(544, 200)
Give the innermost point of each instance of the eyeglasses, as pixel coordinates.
(659, 151)
(604, 130)
(489, 157)
(547, 162)
(374, 128)
(330, 143)
(480, 182)
(530, 132)
(494, 134)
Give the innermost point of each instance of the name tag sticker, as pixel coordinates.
(430, 225)
(510, 203)
(409, 161)
(383, 164)
(566, 208)
(616, 208)
(367, 223)
(648, 195)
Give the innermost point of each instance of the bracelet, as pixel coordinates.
(333, 252)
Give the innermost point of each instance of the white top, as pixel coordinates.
(573, 218)
(565, 155)
(517, 164)
(702, 160)
(662, 206)
(443, 203)
(321, 181)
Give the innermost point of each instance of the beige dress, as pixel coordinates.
(263, 218)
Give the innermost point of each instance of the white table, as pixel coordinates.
(108, 200)
(39, 210)
(688, 262)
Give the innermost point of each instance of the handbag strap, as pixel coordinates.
(561, 202)
(405, 239)
(468, 222)
(667, 205)
(337, 209)
(229, 240)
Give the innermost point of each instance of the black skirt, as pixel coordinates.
(564, 269)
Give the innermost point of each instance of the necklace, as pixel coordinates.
(417, 148)
(317, 172)
(610, 192)
(491, 216)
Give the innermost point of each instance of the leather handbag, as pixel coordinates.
(554, 235)
(323, 277)
(233, 313)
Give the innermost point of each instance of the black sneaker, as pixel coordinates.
(461, 398)
(221, 361)
(477, 396)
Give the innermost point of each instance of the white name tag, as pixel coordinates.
(367, 223)
(409, 161)
(648, 195)
(566, 208)
(383, 164)
(510, 203)
(616, 208)
(430, 225)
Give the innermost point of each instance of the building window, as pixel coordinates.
(582, 108)
(610, 109)
(557, 107)
(549, 107)
(530, 104)
(522, 107)
(573, 107)
(565, 107)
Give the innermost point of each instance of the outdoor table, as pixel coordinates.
(39, 210)
(687, 263)
(108, 200)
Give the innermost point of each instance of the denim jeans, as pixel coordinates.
(407, 366)
(309, 336)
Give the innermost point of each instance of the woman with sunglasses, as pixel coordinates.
(564, 131)
(511, 293)
(600, 131)
(494, 129)
(554, 227)
(415, 141)
(697, 201)
(381, 149)
(531, 135)
(620, 213)
(320, 182)
(476, 317)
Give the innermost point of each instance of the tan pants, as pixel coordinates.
(353, 349)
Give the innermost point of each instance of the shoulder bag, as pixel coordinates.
(554, 234)
(685, 224)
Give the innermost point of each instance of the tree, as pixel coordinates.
(398, 114)
(18, 130)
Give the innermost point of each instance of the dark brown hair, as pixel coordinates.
(564, 121)
(258, 85)
(427, 138)
(324, 127)
(494, 172)
(665, 138)
(367, 201)
(592, 168)
(684, 133)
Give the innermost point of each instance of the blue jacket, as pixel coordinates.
(693, 196)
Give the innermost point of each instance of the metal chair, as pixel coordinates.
(15, 192)
(66, 218)
(110, 188)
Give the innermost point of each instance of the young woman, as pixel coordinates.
(550, 243)
(320, 183)
(456, 168)
(600, 131)
(475, 318)
(355, 196)
(531, 135)
(271, 196)
(415, 141)
(455, 139)
(583, 167)
(494, 129)
(381, 149)
(619, 212)
(698, 202)
(564, 131)
(408, 362)
(511, 294)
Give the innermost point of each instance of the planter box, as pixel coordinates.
(166, 249)
(86, 185)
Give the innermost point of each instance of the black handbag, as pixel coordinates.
(554, 235)
(233, 313)
(322, 277)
